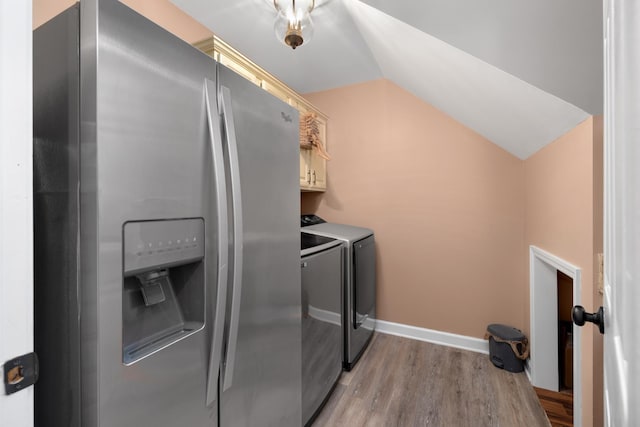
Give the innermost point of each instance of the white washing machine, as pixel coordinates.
(359, 293)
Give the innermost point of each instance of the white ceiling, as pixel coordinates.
(520, 73)
(553, 45)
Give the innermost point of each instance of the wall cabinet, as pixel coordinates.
(312, 176)
(313, 168)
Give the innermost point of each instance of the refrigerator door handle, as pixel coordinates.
(223, 241)
(238, 235)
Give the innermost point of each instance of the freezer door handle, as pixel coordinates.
(223, 241)
(238, 235)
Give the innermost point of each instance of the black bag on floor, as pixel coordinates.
(508, 347)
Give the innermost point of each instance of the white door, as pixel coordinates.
(622, 213)
(16, 237)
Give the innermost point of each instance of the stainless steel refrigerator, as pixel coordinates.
(166, 232)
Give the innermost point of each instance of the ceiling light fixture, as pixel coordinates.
(293, 24)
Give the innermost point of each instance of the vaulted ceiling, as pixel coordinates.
(518, 72)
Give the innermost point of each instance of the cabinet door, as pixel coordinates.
(318, 164)
(305, 172)
(318, 168)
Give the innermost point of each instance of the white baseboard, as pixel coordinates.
(436, 337)
(527, 368)
(325, 315)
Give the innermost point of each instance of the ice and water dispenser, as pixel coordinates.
(163, 293)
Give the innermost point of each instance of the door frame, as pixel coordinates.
(16, 201)
(543, 288)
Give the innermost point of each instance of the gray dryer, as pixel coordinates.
(359, 297)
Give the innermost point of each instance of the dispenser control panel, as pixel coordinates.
(150, 244)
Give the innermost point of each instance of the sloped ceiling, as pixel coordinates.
(519, 73)
(553, 45)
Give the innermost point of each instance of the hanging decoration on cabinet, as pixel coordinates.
(310, 135)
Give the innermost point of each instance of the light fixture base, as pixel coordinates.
(293, 38)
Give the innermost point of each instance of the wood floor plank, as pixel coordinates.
(554, 408)
(557, 405)
(402, 382)
(554, 395)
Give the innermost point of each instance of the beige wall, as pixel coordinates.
(43, 10)
(454, 215)
(162, 12)
(446, 206)
(563, 208)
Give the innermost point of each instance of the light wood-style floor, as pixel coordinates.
(557, 405)
(403, 382)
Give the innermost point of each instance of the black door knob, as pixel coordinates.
(580, 317)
